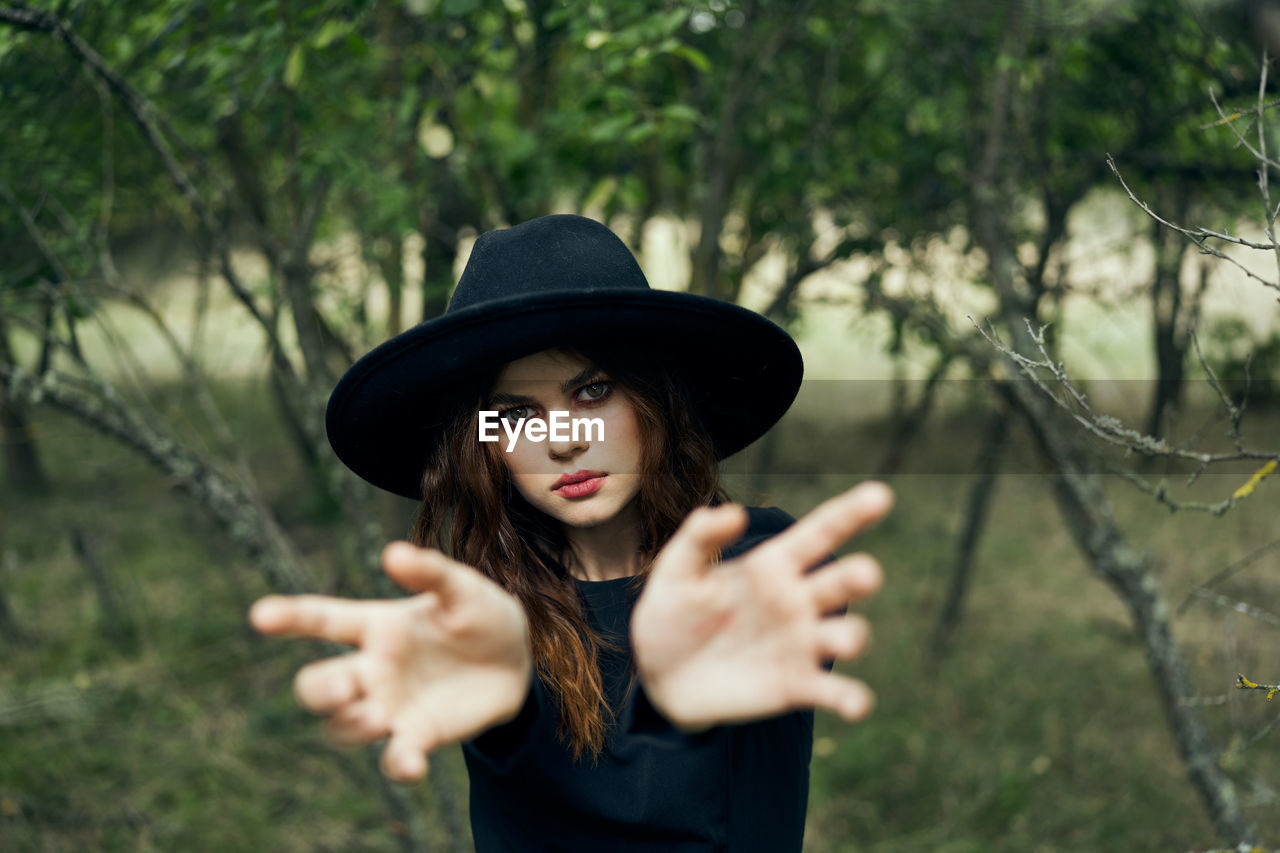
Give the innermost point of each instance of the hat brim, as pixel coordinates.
(383, 414)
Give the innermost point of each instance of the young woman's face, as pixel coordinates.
(582, 481)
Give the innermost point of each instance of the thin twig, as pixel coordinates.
(1243, 683)
(1233, 411)
(1200, 236)
(1238, 114)
(1240, 138)
(1239, 606)
(1231, 571)
(1106, 427)
(1264, 181)
(1263, 732)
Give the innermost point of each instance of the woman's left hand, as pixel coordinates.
(746, 639)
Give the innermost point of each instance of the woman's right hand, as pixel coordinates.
(439, 667)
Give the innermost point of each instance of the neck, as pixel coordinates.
(607, 551)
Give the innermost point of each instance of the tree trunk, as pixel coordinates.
(907, 422)
(115, 616)
(1078, 491)
(392, 268)
(1091, 521)
(980, 494)
(439, 253)
(1171, 337)
(244, 518)
(9, 628)
(24, 473)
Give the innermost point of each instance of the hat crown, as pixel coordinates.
(551, 254)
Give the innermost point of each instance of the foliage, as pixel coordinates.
(308, 135)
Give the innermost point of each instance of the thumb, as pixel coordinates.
(404, 759)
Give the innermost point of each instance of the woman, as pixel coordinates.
(629, 661)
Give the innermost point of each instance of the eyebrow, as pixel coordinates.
(569, 384)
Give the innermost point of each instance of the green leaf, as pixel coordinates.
(641, 132)
(681, 112)
(632, 192)
(609, 129)
(293, 67)
(332, 30)
(357, 45)
(694, 57)
(601, 192)
(820, 27)
(458, 8)
(674, 20)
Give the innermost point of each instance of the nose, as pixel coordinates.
(566, 448)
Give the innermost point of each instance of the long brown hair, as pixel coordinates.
(472, 511)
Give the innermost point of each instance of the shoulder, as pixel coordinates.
(767, 520)
(762, 523)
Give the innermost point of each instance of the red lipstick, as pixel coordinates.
(579, 484)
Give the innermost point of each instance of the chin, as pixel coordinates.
(586, 516)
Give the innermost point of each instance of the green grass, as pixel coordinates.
(1040, 731)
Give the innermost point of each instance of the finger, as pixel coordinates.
(830, 524)
(848, 697)
(360, 722)
(323, 617)
(327, 685)
(405, 757)
(842, 637)
(851, 579)
(701, 536)
(424, 570)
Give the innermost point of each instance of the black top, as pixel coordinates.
(740, 788)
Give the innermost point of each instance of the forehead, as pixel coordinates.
(545, 366)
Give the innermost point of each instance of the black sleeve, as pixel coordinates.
(500, 746)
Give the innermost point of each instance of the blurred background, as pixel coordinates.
(1027, 251)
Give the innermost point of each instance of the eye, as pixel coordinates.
(593, 391)
(515, 413)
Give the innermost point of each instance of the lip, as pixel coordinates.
(576, 477)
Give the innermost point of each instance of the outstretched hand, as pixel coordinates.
(746, 639)
(439, 667)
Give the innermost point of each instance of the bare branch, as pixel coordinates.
(1114, 432)
(1264, 180)
(1231, 571)
(1233, 411)
(1200, 236)
(1238, 114)
(1240, 138)
(1243, 683)
(246, 522)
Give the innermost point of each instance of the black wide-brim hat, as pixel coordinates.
(555, 282)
